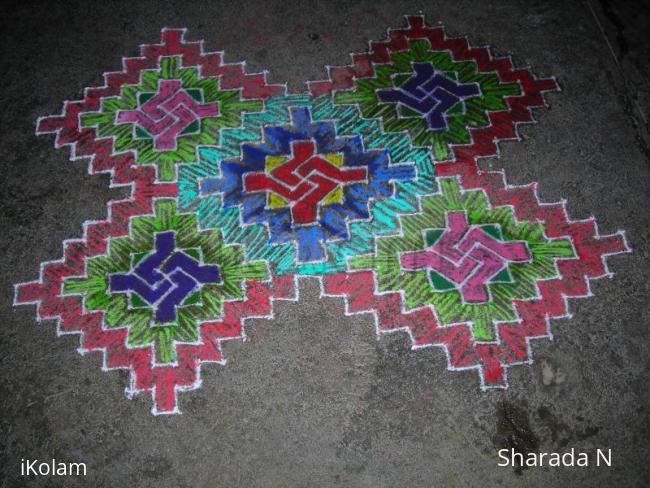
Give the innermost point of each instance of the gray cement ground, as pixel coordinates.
(314, 399)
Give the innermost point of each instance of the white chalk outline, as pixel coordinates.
(469, 324)
(487, 47)
(131, 390)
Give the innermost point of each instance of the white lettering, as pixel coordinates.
(77, 466)
(583, 459)
(541, 457)
(571, 458)
(607, 460)
(554, 459)
(30, 467)
(504, 457)
(36, 468)
(518, 456)
(531, 459)
(567, 459)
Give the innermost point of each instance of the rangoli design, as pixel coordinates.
(369, 182)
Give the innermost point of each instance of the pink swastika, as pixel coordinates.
(167, 114)
(467, 256)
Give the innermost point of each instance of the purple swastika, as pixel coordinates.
(429, 93)
(165, 278)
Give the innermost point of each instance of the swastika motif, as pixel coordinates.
(449, 237)
(368, 182)
(473, 127)
(167, 114)
(165, 278)
(306, 179)
(430, 94)
(467, 256)
(319, 209)
(90, 126)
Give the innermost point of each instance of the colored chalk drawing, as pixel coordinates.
(465, 259)
(368, 183)
(163, 279)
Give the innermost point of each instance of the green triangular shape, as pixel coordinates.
(407, 112)
(136, 258)
(137, 302)
(502, 277)
(431, 236)
(196, 94)
(193, 253)
(144, 96)
(192, 128)
(400, 79)
(140, 133)
(457, 109)
(440, 283)
(193, 299)
(493, 230)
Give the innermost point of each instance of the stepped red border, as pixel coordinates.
(358, 289)
(163, 382)
(492, 359)
(82, 141)
(503, 124)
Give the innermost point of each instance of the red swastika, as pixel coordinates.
(304, 180)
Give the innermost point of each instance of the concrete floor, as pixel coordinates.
(314, 399)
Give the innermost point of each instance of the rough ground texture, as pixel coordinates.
(313, 399)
